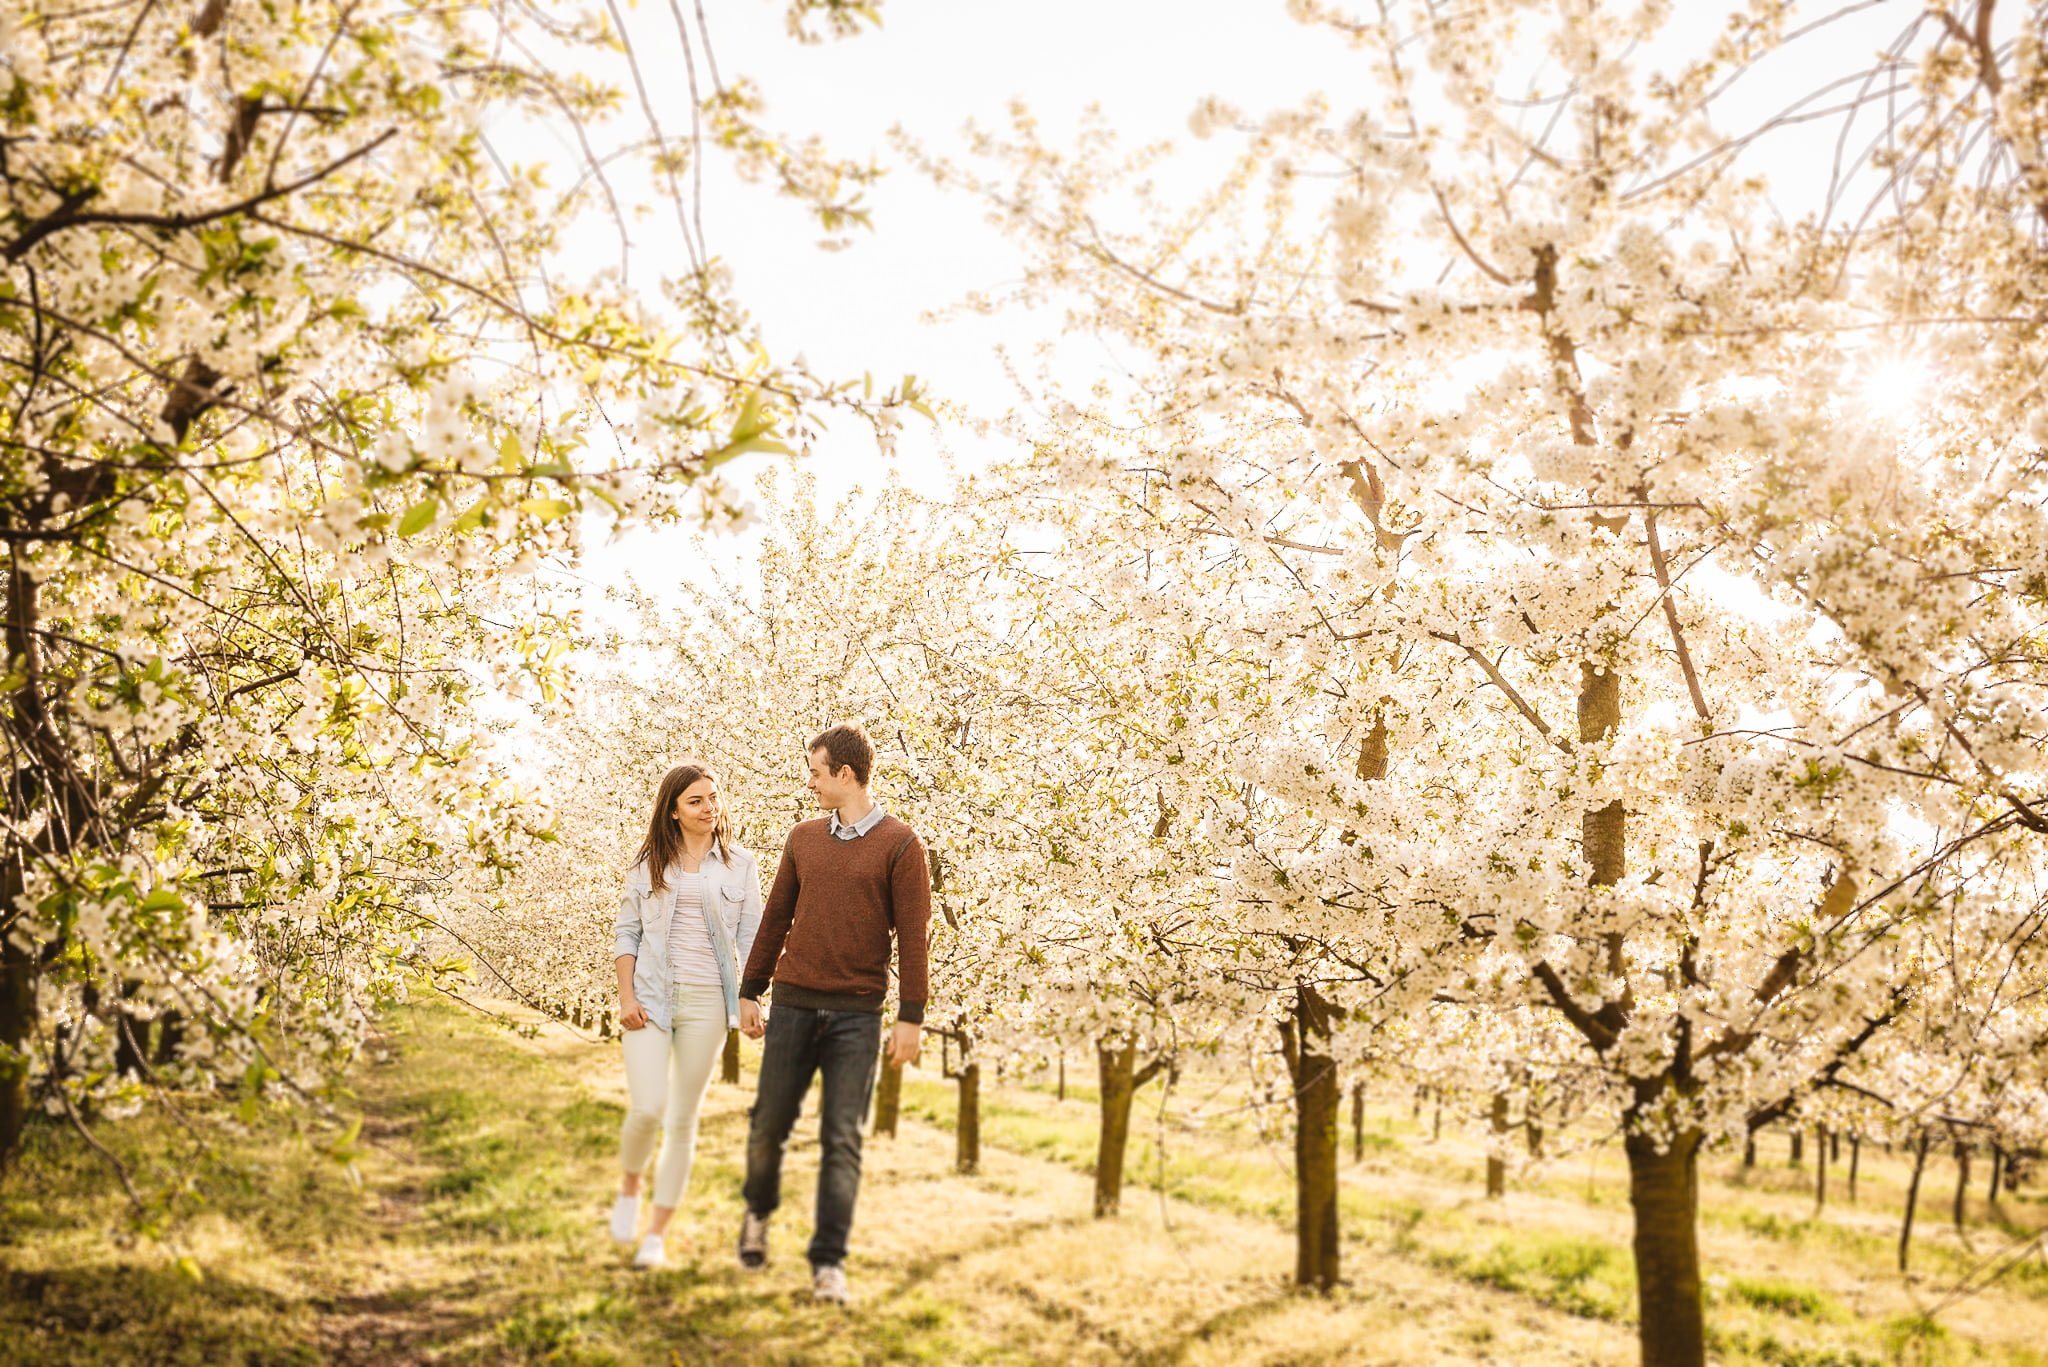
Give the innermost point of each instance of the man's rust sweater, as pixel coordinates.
(824, 937)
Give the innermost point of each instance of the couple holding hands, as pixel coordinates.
(696, 948)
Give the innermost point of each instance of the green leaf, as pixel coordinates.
(346, 1149)
(547, 509)
(749, 422)
(420, 516)
(734, 449)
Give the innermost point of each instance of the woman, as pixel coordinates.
(685, 928)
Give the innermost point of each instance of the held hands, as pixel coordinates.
(632, 1015)
(903, 1041)
(750, 1019)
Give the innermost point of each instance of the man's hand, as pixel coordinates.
(632, 1015)
(750, 1018)
(903, 1043)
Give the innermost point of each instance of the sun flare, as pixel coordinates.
(1895, 389)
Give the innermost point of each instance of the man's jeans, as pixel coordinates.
(844, 1046)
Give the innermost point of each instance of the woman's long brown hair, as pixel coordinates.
(664, 843)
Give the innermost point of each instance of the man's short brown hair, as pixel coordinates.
(846, 746)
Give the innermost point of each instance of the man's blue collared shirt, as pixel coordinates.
(842, 830)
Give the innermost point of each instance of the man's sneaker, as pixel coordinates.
(754, 1240)
(828, 1283)
(653, 1253)
(625, 1219)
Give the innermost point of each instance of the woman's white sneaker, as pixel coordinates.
(653, 1253)
(625, 1220)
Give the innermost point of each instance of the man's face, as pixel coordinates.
(830, 789)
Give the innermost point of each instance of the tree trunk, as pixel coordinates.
(1496, 1166)
(1603, 831)
(1855, 1161)
(170, 1033)
(17, 1022)
(1798, 1147)
(128, 1032)
(1663, 1190)
(1358, 1122)
(729, 1062)
(1063, 1079)
(1749, 1150)
(888, 1095)
(1436, 1119)
(1415, 1112)
(1834, 1146)
(1317, 1097)
(1962, 1182)
(1912, 1199)
(1820, 1170)
(1116, 1063)
(1997, 1171)
(17, 1015)
(967, 1135)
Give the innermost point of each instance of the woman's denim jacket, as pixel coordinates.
(732, 913)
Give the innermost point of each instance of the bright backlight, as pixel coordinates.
(1894, 389)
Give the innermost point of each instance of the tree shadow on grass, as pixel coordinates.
(921, 1270)
(400, 1323)
(1226, 1321)
(111, 1313)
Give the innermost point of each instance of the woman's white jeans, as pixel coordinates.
(667, 1074)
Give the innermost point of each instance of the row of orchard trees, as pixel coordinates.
(1092, 724)
(1498, 610)
(1622, 681)
(296, 392)
(1489, 616)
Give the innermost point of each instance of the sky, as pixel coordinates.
(934, 66)
(931, 68)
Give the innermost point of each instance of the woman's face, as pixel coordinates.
(696, 808)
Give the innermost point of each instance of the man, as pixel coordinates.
(848, 882)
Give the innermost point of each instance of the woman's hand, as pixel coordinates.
(632, 1016)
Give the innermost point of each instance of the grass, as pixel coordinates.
(1798, 1302)
(470, 1232)
(1794, 1287)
